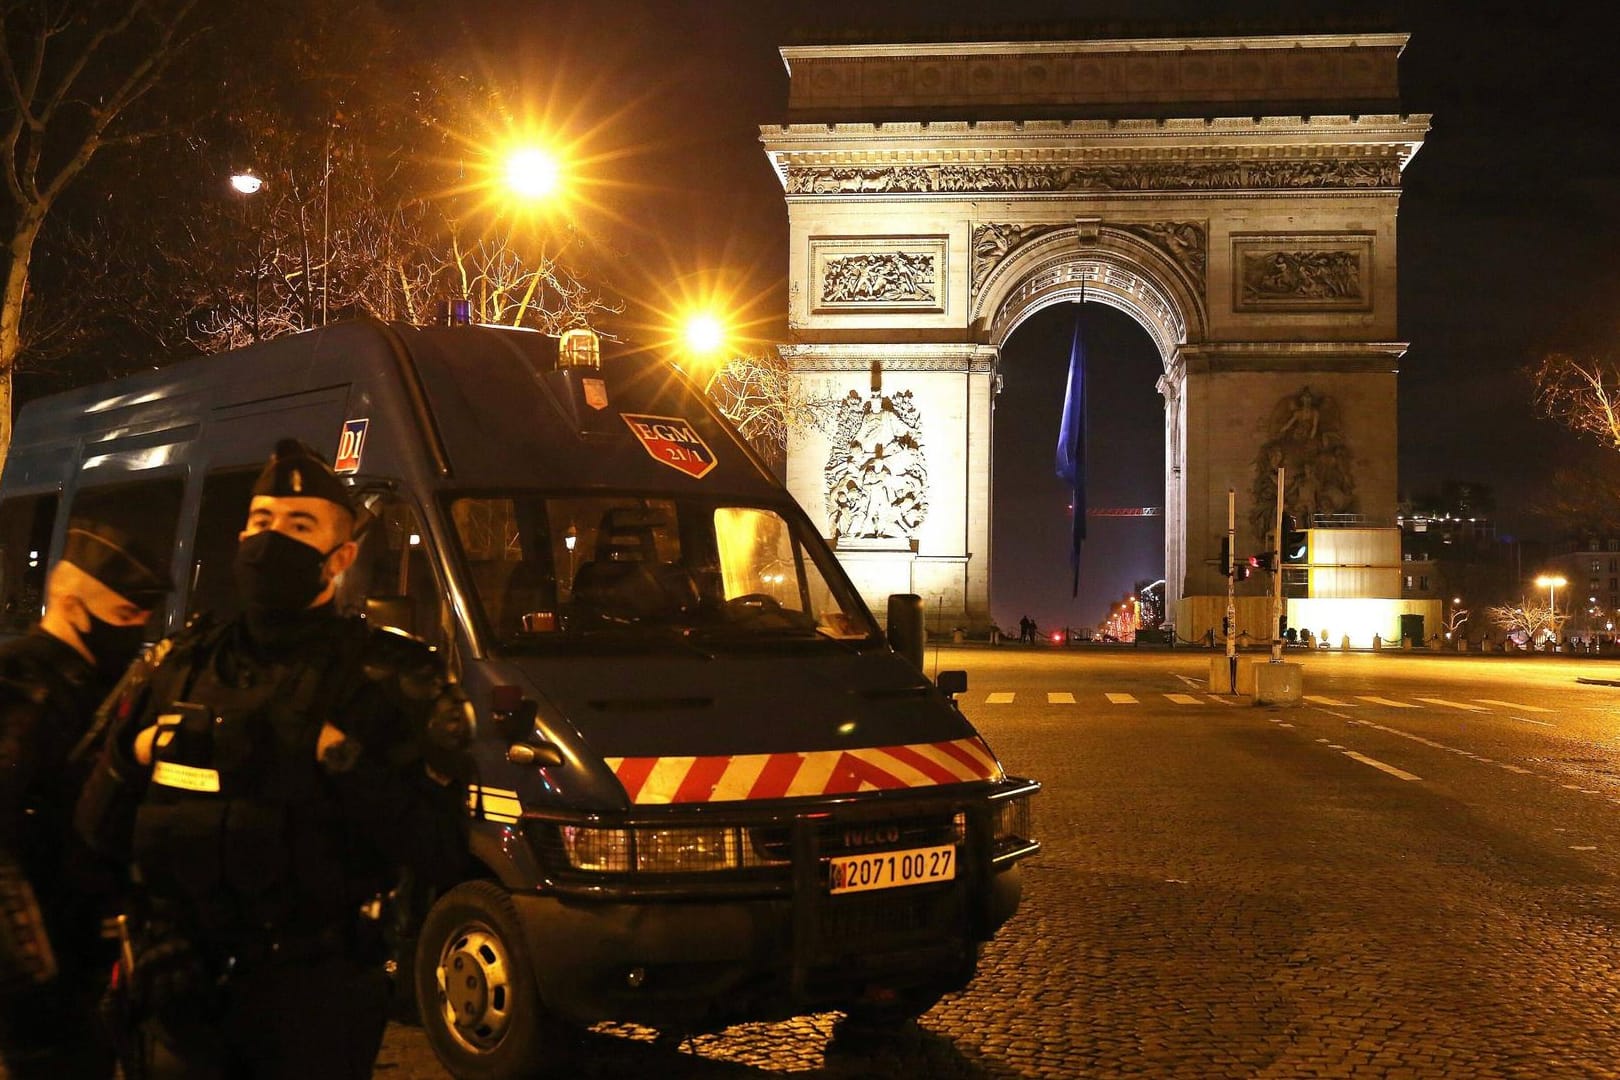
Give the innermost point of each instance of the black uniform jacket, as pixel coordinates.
(48, 698)
(391, 798)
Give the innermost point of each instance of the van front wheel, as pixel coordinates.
(476, 994)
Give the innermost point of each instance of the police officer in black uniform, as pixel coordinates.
(283, 769)
(53, 891)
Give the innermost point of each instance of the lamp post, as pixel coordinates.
(247, 184)
(1551, 583)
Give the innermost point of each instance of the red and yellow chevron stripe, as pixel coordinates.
(732, 778)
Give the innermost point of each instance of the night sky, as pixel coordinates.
(1508, 228)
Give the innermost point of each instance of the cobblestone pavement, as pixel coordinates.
(1226, 891)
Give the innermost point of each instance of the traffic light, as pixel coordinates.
(1244, 568)
(1226, 557)
(1295, 541)
(1266, 560)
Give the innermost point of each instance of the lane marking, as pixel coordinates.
(1059, 697)
(1385, 702)
(1196, 684)
(1183, 699)
(1583, 847)
(1380, 766)
(1340, 715)
(1329, 701)
(1000, 699)
(1527, 720)
(1452, 704)
(1511, 705)
(1223, 700)
(1514, 768)
(1121, 699)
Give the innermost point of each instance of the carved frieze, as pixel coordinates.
(877, 274)
(877, 476)
(1303, 273)
(1303, 435)
(993, 242)
(887, 278)
(1184, 241)
(1102, 176)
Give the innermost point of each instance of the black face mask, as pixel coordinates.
(114, 647)
(275, 573)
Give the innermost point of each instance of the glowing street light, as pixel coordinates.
(1551, 584)
(704, 334)
(246, 183)
(533, 173)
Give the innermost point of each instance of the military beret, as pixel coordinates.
(296, 471)
(113, 558)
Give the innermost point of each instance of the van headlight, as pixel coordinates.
(590, 848)
(655, 850)
(1014, 824)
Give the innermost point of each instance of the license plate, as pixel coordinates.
(891, 869)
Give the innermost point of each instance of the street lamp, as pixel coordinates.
(704, 336)
(533, 173)
(1551, 583)
(247, 184)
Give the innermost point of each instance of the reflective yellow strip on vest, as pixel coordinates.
(186, 777)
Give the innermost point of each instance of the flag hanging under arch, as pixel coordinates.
(1071, 448)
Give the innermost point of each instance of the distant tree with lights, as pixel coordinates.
(1530, 621)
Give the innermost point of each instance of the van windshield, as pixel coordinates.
(554, 568)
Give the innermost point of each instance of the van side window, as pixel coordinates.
(225, 498)
(392, 581)
(25, 534)
(148, 510)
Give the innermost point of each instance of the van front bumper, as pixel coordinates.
(702, 964)
(698, 951)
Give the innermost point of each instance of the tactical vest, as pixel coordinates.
(237, 833)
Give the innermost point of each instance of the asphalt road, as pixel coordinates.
(1415, 873)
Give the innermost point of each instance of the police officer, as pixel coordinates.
(283, 768)
(53, 891)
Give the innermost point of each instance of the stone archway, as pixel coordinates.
(938, 195)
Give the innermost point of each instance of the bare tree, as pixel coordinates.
(1530, 621)
(1580, 392)
(759, 395)
(71, 72)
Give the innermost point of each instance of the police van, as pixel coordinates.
(708, 788)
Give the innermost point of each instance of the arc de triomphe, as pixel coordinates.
(1236, 196)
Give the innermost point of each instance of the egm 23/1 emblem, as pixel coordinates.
(672, 441)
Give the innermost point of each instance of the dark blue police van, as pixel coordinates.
(708, 789)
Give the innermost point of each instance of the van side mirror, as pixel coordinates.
(395, 612)
(951, 683)
(906, 627)
(512, 715)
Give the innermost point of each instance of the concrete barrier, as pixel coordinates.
(1278, 684)
(1220, 675)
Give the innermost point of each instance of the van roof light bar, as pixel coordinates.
(579, 348)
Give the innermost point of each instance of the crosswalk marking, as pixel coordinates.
(1329, 701)
(1059, 697)
(1511, 705)
(1183, 699)
(1452, 704)
(1000, 699)
(1121, 699)
(1385, 701)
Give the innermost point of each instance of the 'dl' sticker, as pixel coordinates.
(672, 441)
(351, 444)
